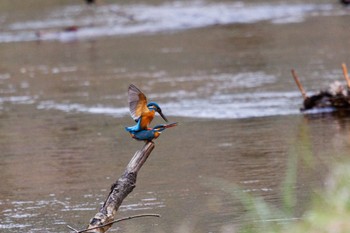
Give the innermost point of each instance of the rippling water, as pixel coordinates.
(219, 68)
(125, 19)
(231, 92)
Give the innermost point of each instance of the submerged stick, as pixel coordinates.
(103, 220)
(346, 74)
(296, 79)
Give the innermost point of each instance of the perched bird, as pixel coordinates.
(150, 134)
(140, 111)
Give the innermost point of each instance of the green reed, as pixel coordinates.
(329, 209)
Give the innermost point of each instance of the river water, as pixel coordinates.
(219, 68)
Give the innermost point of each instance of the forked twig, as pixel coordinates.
(115, 221)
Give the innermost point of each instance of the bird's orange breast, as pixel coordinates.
(156, 135)
(146, 119)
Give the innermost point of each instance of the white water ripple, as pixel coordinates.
(118, 20)
(230, 106)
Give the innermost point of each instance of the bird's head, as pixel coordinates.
(154, 106)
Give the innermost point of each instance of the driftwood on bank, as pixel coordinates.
(103, 220)
(336, 97)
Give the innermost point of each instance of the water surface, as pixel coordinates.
(221, 69)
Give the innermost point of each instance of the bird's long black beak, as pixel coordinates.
(170, 125)
(162, 115)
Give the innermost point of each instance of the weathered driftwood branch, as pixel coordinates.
(296, 79)
(335, 97)
(120, 190)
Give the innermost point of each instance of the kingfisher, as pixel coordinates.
(149, 134)
(140, 111)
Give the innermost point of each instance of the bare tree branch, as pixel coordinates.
(104, 219)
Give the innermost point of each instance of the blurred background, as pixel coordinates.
(219, 68)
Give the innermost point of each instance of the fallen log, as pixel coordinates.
(335, 97)
(120, 189)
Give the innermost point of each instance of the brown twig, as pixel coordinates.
(346, 75)
(73, 229)
(296, 79)
(115, 221)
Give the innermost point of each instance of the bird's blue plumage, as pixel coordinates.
(144, 135)
(135, 128)
(150, 134)
(153, 105)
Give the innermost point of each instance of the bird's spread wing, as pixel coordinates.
(137, 102)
